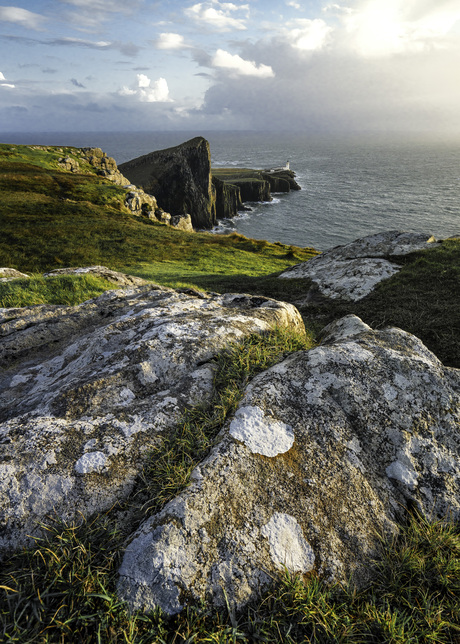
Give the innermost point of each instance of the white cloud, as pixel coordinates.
(380, 28)
(239, 66)
(148, 91)
(2, 78)
(293, 4)
(170, 41)
(21, 17)
(310, 35)
(218, 15)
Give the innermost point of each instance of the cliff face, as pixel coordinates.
(180, 180)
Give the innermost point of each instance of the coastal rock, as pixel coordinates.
(324, 453)
(228, 199)
(8, 274)
(85, 392)
(69, 164)
(180, 180)
(182, 222)
(352, 271)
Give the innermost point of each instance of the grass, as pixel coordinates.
(64, 588)
(63, 289)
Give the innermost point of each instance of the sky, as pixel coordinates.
(298, 65)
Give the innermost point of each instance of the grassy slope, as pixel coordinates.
(64, 589)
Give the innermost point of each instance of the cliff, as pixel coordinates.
(180, 180)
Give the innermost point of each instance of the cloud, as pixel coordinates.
(376, 28)
(293, 4)
(90, 14)
(9, 85)
(170, 41)
(76, 83)
(148, 91)
(218, 15)
(310, 35)
(128, 49)
(22, 17)
(239, 66)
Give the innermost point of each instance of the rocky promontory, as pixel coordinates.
(182, 181)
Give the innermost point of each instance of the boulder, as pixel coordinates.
(86, 391)
(69, 164)
(8, 274)
(115, 277)
(180, 180)
(323, 455)
(182, 222)
(352, 271)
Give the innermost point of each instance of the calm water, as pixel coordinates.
(350, 187)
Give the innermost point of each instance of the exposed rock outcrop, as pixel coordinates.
(352, 271)
(8, 274)
(115, 277)
(86, 390)
(234, 186)
(180, 180)
(324, 453)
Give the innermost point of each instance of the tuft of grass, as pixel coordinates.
(61, 289)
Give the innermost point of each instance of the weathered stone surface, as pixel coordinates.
(182, 222)
(8, 274)
(180, 180)
(115, 277)
(69, 164)
(85, 390)
(352, 271)
(324, 453)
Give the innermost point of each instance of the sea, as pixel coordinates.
(351, 185)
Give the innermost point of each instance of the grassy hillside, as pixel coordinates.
(51, 219)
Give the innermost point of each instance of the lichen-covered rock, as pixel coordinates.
(115, 277)
(352, 271)
(8, 274)
(325, 451)
(85, 391)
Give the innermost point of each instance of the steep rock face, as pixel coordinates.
(352, 271)
(228, 199)
(86, 390)
(323, 454)
(180, 180)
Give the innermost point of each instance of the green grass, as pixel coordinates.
(64, 588)
(62, 289)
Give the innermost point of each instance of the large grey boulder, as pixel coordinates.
(352, 271)
(323, 455)
(86, 390)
